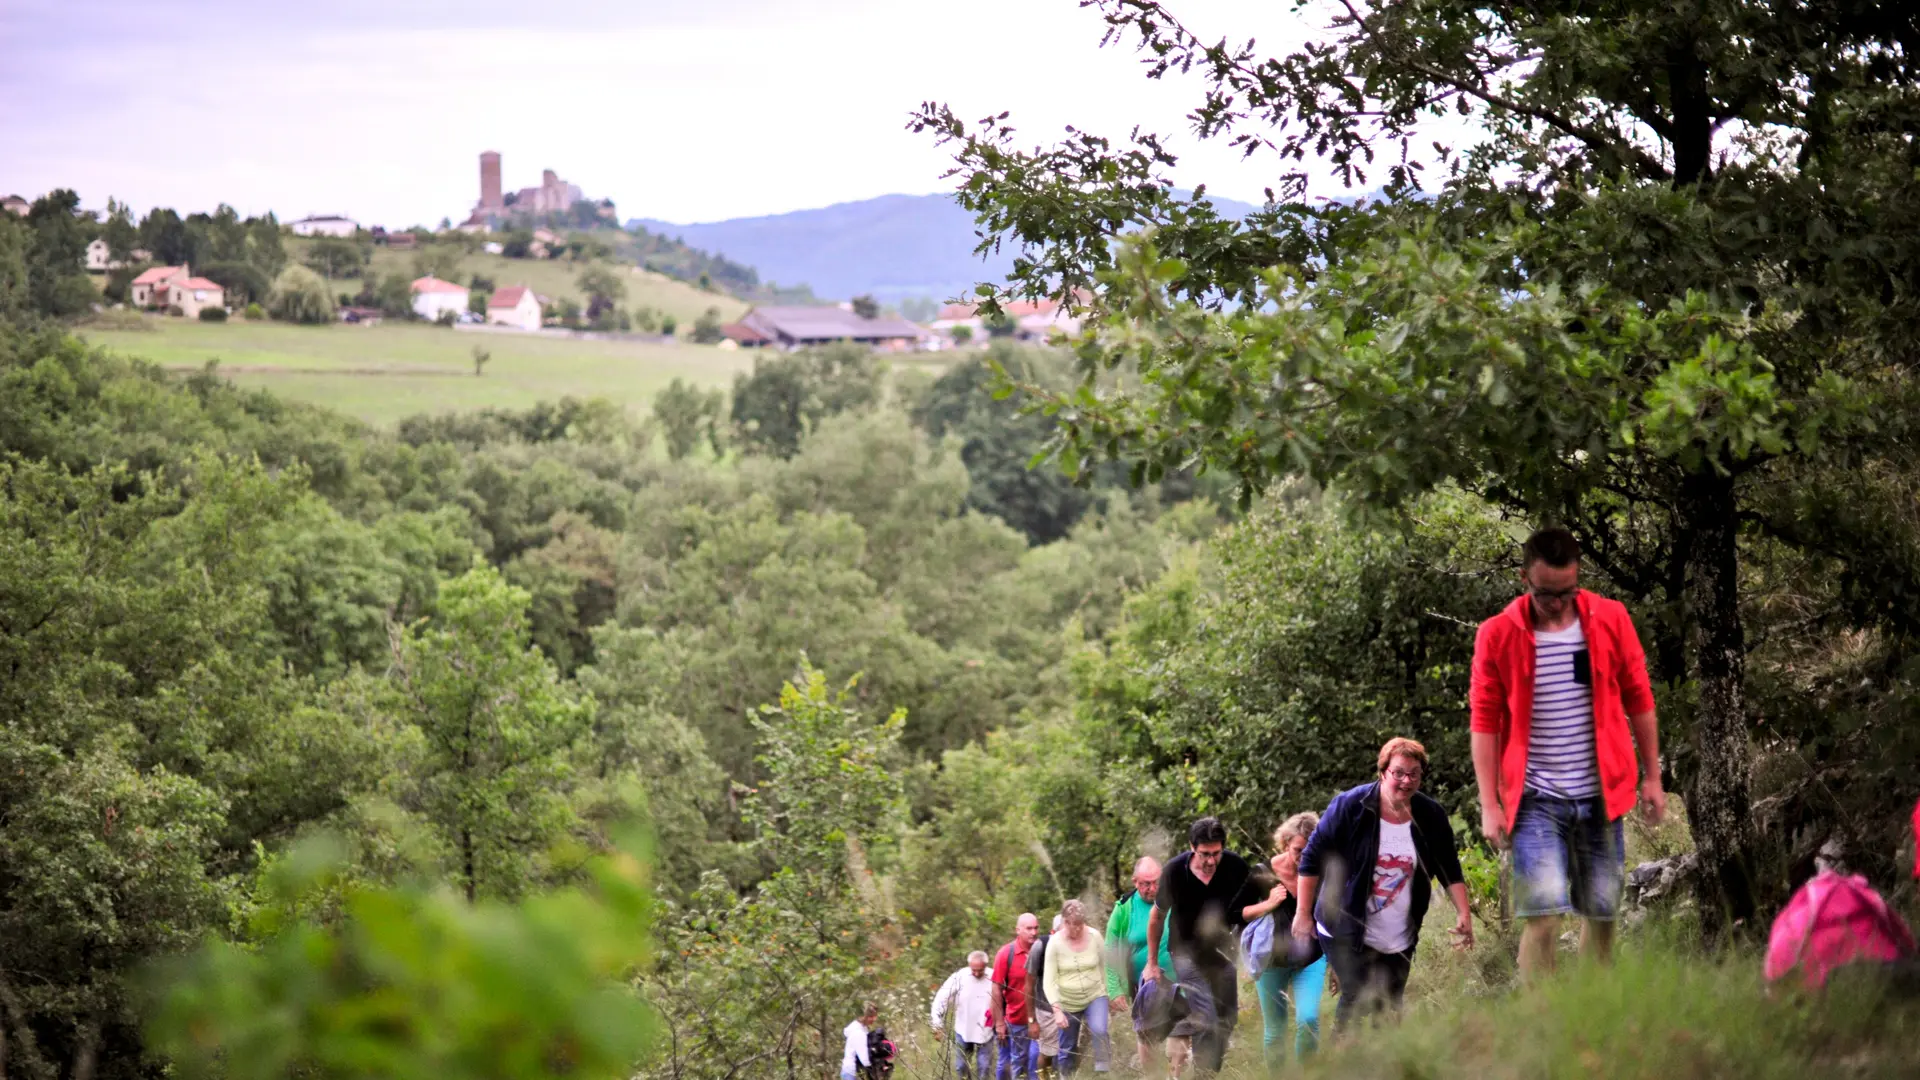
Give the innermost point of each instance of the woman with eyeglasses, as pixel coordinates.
(1376, 847)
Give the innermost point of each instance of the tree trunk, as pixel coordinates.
(1718, 797)
(466, 860)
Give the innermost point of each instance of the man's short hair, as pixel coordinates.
(976, 955)
(1207, 830)
(1555, 547)
(1398, 747)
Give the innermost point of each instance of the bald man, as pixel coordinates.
(1127, 937)
(1019, 1054)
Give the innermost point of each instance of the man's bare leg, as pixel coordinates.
(1596, 940)
(1179, 1052)
(1148, 1059)
(1539, 939)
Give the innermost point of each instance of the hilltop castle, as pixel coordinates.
(553, 196)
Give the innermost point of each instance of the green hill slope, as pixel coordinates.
(555, 278)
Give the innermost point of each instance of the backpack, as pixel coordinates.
(1833, 920)
(880, 1052)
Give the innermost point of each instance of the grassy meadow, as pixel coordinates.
(383, 373)
(555, 278)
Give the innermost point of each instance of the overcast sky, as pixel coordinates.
(689, 110)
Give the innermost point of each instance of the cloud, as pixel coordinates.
(684, 112)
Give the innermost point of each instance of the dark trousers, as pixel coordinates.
(1371, 982)
(1212, 991)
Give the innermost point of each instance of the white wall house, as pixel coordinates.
(324, 225)
(514, 305)
(431, 296)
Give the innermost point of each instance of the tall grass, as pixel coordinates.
(1659, 1012)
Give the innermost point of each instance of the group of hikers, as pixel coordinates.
(1564, 743)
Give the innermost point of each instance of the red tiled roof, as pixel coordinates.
(507, 297)
(157, 274)
(434, 284)
(956, 312)
(745, 335)
(200, 283)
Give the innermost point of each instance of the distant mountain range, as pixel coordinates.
(895, 247)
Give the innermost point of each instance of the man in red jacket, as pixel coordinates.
(1560, 703)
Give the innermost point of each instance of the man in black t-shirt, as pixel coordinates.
(1204, 896)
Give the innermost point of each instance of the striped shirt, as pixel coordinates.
(1560, 757)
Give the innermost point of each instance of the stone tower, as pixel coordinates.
(490, 197)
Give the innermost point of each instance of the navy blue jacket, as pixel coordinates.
(1341, 852)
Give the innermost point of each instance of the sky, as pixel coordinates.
(685, 111)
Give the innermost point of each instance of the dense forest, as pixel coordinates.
(880, 683)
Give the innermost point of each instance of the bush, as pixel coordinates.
(446, 318)
(668, 325)
(300, 296)
(174, 309)
(255, 311)
(706, 328)
(213, 314)
(118, 288)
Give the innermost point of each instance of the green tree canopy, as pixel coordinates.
(1649, 301)
(300, 295)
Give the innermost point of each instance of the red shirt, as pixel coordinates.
(1502, 695)
(1013, 990)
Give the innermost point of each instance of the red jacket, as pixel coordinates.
(1502, 695)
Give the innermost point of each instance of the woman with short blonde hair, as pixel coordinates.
(1299, 980)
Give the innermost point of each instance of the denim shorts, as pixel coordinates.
(1567, 857)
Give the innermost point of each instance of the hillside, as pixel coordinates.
(556, 278)
(895, 247)
(383, 373)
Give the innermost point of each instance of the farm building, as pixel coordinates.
(796, 327)
(324, 225)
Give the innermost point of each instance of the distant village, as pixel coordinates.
(536, 223)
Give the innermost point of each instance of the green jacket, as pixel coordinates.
(1127, 935)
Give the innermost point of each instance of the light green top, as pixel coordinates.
(1075, 976)
(1127, 936)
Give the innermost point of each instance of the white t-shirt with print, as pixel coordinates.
(1392, 898)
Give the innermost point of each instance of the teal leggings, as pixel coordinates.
(1305, 986)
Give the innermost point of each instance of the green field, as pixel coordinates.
(555, 278)
(383, 373)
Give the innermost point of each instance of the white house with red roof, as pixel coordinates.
(431, 297)
(176, 287)
(515, 305)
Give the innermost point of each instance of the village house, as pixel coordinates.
(431, 297)
(100, 257)
(153, 281)
(324, 225)
(172, 287)
(1033, 320)
(798, 327)
(515, 305)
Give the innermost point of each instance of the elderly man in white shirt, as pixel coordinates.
(968, 994)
